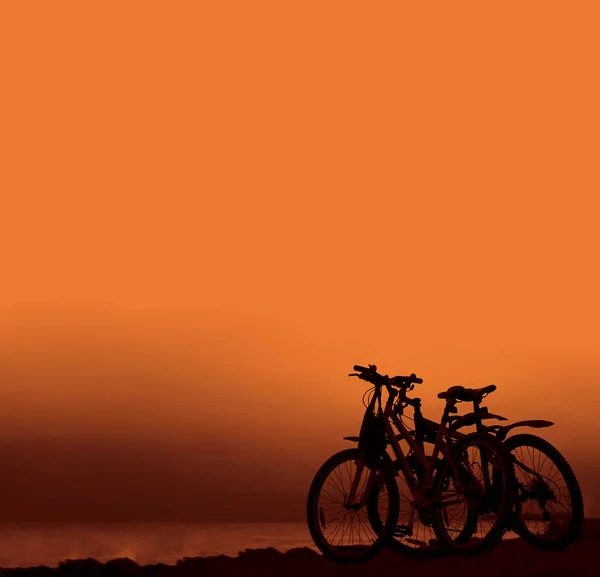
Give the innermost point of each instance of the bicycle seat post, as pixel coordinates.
(449, 408)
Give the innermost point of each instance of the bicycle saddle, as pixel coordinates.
(459, 393)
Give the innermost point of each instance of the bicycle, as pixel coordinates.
(422, 541)
(436, 485)
(548, 513)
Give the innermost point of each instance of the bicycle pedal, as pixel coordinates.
(403, 531)
(416, 542)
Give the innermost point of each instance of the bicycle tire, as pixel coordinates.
(396, 544)
(464, 545)
(573, 531)
(350, 554)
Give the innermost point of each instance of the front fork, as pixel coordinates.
(349, 502)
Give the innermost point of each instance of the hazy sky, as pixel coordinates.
(211, 211)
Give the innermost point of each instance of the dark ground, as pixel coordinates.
(512, 558)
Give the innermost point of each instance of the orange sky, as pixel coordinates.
(211, 211)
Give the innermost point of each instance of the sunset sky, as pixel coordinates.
(210, 211)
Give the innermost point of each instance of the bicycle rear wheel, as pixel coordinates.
(473, 511)
(549, 509)
(341, 532)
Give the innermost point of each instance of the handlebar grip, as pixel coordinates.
(418, 381)
(360, 369)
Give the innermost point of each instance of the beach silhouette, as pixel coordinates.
(512, 557)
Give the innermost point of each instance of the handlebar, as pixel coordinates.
(363, 369)
(371, 375)
(404, 399)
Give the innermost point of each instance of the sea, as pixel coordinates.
(32, 544)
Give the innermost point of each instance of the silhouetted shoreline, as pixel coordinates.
(512, 557)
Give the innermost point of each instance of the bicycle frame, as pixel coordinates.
(417, 489)
(481, 413)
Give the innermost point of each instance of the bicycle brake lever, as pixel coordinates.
(354, 375)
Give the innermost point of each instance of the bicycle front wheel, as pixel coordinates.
(475, 496)
(341, 529)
